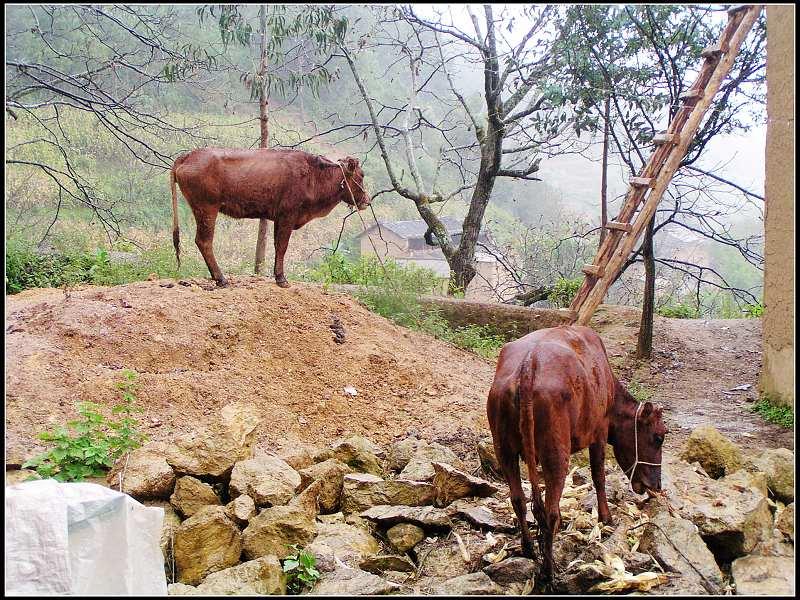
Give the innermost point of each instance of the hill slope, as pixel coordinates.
(198, 349)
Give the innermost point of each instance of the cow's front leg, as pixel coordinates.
(283, 231)
(597, 460)
(204, 238)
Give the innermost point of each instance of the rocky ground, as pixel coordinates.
(409, 518)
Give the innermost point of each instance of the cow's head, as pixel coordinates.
(352, 186)
(637, 433)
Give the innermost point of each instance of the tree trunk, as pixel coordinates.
(644, 346)
(604, 175)
(263, 225)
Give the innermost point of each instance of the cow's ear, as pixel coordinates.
(647, 410)
(324, 163)
(352, 164)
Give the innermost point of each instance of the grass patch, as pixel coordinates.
(393, 291)
(678, 311)
(773, 412)
(640, 392)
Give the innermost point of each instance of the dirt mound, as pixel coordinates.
(197, 349)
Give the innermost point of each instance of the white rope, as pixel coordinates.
(636, 461)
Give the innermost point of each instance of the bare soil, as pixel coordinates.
(197, 348)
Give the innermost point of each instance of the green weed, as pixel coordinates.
(301, 571)
(95, 441)
(773, 412)
(564, 292)
(640, 392)
(678, 311)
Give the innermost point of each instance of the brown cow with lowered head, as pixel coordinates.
(554, 394)
(289, 187)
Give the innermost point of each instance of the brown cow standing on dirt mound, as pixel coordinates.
(289, 187)
(554, 394)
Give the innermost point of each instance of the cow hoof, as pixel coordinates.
(223, 283)
(282, 282)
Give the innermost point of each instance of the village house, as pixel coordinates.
(404, 242)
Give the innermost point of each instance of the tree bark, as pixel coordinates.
(263, 102)
(604, 174)
(644, 346)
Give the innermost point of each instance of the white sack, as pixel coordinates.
(81, 538)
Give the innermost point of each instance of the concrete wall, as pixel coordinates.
(777, 376)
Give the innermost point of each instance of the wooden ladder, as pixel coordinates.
(625, 230)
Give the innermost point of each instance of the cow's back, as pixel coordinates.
(245, 183)
(567, 379)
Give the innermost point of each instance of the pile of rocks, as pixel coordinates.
(414, 519)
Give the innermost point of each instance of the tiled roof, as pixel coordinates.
(416, 229)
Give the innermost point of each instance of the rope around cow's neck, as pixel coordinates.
(636, 461)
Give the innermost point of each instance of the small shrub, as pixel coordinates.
(97, 441)
(564, 291)
(301, 571)
(678, 311)
(773, 412)
(753, 311)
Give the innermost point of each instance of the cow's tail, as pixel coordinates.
(525, 400)
(176, 232)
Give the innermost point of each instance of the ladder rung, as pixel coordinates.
(692, 95)
(593, 270)
(641, 181)
(618, 226)
(737, 7)
(714, 51)
(666, 138)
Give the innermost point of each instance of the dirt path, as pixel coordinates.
(196, 350)
(695, 367)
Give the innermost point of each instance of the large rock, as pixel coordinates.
(169, 526)
(330, 473)
(467, 585)
(732, 516)
(512, 570)
(451, 484)
(489, 462)
(361, 491)
(144, 473)
(353, 582)
(404, 536)
(778, 465)
(346, 543)
(357, 452)
(299, 457)
(205, 543)
(426, 517)
(784, 522)
(763, 576)
(677, 546)
(420, 465)
(401, 452)
(387, 562)
(268, 480)
(715, 453)
(275, 529)
(241, 509)
(480, 516)
(191, 495)
(215, 449)
(260, 577)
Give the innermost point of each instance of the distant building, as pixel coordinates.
(404, 242)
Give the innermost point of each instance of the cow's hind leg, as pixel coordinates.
(509, 464)
(283, 231)
(529, 456)
(597, 460)
(204, 238)
(555, 465)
